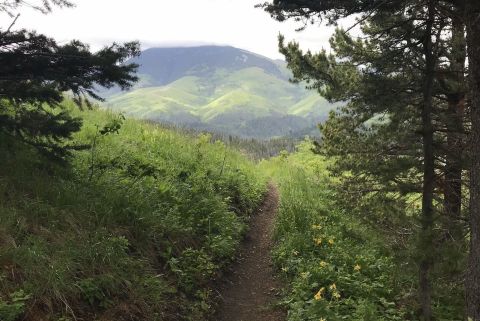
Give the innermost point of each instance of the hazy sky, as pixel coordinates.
(172, 22)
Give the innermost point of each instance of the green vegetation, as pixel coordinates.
(243, 98)
(135, 228)
(336, 263)
(335, 266)
(403, 147)
(108, 218)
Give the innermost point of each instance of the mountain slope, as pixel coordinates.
(169, 64)
(220, 89)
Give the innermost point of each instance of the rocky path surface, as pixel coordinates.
(251, 289)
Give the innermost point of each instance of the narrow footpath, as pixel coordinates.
(251, 289)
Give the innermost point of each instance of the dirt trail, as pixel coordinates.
(251, 288)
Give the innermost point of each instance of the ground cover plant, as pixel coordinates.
(335, 267)
(135, 227)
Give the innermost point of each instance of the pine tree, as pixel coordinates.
(11, 6)
(392, 84)
(36, 73)
(472, 17)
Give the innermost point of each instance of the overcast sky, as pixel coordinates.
(171, 23)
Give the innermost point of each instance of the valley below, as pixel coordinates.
(220, 89)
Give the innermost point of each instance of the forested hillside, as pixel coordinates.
(221, 89)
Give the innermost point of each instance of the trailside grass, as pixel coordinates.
(134, 227)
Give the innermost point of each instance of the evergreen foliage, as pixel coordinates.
(472, 14)
(400, 134)
(36, 72)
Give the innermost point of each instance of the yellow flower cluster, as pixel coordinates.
(331, 241)
(357, 267)
(333, 289)
(323, 264)
(318, 240)
(335, 293)
(319, 294)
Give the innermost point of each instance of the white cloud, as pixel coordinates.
(173, 23)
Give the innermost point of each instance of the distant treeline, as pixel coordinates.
(256, 149)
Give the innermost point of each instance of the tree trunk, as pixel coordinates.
(473, 274)
(426, 236)
(453, 166)
(454, 124)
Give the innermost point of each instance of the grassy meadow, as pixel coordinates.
(335, 267)
(334, 264)
(135, 227)
(142, 220)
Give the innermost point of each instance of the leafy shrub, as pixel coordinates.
(12, 309)
(192, 268)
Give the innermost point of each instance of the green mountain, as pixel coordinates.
(220, 89)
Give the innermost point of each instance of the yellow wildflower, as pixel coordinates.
(336, 295)
(331, 241)
(333, 286)
(319, 294)
(323, 264)
(318, 240)
(357, 267)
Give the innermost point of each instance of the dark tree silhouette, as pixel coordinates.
(36, 73)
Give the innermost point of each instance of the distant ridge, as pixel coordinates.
(220, 88)
(166, 65)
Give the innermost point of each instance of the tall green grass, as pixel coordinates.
(135, 228)
(335, 268)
